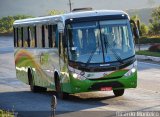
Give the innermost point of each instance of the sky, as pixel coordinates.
(42, 7)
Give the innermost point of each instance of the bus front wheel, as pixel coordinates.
(118, 92)
(60, 94)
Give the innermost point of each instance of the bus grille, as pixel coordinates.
(108, 78)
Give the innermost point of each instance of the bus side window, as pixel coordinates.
(15, 37)
(32, 37)
(50, 36)
(35, 35)
(19, 41)
(46, 36)
(25, 37)
(39, 36)
(56, 35)
(43, 36)
(28, 41)
(22, 35)
(53, 36)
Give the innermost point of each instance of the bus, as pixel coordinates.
(77, 52)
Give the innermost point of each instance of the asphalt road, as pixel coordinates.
(15, 95)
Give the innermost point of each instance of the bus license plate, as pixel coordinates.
(106, 88)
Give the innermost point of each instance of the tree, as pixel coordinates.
(55, 12)
(6, 23)
(155, 21)
(135, 17)
(143, 29)
(156, 14)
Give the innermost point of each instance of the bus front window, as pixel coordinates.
(100, 42)
(83, 40)
(117, 39)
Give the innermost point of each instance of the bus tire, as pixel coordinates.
(60, 94)
(34, 88)
(118, 92)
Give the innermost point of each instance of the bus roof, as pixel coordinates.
(63, 17)
(93, 13)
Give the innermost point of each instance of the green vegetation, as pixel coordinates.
(55, 12)
(155, 22)
(145, 31)
(151, 33)
(153, 50)
(148, 40)
(148, 53)
(6, 23)
(6, 114)
(142, 27)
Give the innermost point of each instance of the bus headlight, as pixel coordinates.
(132, 70)
(78, 76)
(75, 75)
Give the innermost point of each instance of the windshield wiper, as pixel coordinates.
(90, 57)
(113, 51)
(92, 53)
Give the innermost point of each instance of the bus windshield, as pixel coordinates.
(100, 41)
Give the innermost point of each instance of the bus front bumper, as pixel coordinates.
(87, 85)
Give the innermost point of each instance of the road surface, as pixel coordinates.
(15, 95)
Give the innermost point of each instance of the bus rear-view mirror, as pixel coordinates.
(135, 29)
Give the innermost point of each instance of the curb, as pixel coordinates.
(152, 58)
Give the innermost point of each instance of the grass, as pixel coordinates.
(6, 114)
(148, 53)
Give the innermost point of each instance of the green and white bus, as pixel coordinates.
(77, 52)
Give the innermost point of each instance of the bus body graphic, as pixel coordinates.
(76, 52)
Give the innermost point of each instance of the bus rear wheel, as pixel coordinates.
(34, 88)
(118, 92)
(60, 94)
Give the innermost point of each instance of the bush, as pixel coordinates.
(147, 40)
(148, 53)
(144, 29)
(155, 48)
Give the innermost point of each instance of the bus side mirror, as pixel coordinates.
(136, 32)
(135, 29)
